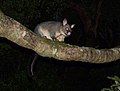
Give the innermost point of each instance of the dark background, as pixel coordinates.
(55, 75)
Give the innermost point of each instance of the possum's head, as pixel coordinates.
(66, 28)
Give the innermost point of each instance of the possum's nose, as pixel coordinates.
(69, 33)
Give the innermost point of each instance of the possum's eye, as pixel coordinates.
(67, 28)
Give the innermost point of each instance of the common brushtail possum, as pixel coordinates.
(52, 30)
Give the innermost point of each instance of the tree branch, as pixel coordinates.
(16, 32)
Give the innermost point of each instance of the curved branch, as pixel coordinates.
(16, 32)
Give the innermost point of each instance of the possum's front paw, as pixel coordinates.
(60, 38)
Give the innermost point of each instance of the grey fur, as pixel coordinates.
(53, 30)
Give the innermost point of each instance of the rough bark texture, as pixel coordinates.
(16, 32)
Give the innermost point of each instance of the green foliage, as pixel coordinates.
(115, 86)
(13, 63)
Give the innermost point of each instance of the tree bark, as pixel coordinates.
(19, 34)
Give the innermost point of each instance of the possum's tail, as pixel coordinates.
(33, 63)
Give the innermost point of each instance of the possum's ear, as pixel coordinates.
(64, 22)
(72, 25)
